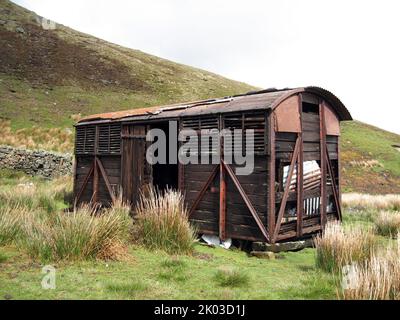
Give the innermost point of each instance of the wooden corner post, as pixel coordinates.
(300, 169)
(222, 186)
(323, 163)
(271, 176)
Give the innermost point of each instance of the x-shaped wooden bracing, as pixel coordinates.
(226, 168)
(253, 211)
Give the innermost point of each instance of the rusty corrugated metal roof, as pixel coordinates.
(264, 99)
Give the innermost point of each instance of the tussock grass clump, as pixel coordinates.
(10, 224)
(338, 247)
(130, 289)
(367, 201)
(81, 234)
(387, 223)
(377, 278)
(162, 222)
(46, 196)
(231, 277)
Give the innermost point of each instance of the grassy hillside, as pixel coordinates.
(49, 75)
(49, 78)
(370, 163)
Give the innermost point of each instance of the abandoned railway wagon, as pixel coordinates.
(291, 192)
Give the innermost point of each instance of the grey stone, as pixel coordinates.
(42, 163)
(2, 22)
(282, 247)
(20, 30)
(263, 254)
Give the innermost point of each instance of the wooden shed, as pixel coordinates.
(292, 192)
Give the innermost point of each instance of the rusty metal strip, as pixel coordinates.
(335, 191)
(246, 199)
(107, 182)
(203, 190)
(85, 182)
(287, 188)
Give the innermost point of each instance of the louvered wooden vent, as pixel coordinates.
(205, 125)
(84, 140)
(254, 121)
(109, 139)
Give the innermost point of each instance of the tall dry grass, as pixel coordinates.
(45, 195)
(81, 234)
(377, 278)
(337, 247)
(33, 217)
(387, 223)
(367, 201)
(52, 139)
(162, 222)
(11, 223)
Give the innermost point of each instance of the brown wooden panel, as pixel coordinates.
(287, 117)
(133, 161)
(331, 121)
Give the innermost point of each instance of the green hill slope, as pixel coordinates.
(49, 78)
(49, 75)
(370, 162)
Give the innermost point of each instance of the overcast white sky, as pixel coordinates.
(351, 48)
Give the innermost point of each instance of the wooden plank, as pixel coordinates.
(300, 175)
(286, 192)
(85, 182)
(246, 200)
(271, 177)
(105, 178)
(222, 205)
(334, 187)
(95, 181)
(222, 192)
(323, 164)
(203, 190)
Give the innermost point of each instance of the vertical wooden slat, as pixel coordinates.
(271, 176)
(95, 182)
(222, 187)
(181, 167)
(300, 169)
(222, 203)
(95, 195)
(323, 163)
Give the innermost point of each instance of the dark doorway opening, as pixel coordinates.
(165, 175)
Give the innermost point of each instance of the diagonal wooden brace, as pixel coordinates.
(107, 182)
(287, 188)
(85, 182)
(246, 199)
(334, 187)
(203, 190)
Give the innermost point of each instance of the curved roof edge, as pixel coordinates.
(339, 107)
(264, 99)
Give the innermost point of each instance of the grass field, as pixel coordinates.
(207, 273)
